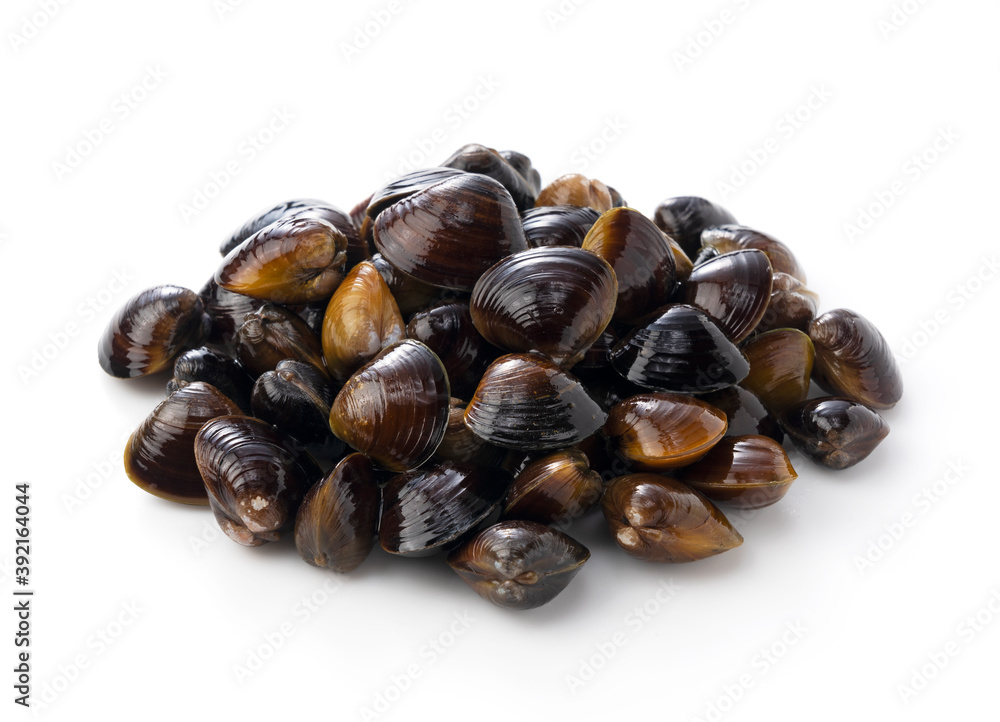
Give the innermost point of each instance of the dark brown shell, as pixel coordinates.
(271, 334)
(405, 186)
(448, 331)
(780, 364)
(216, 368)
(734, 289)
(361, 319)
(337, 523)
(558, 225)
(474, 158)
(295, 398)
(427, 510)
(854, 360)
(658, 519)
(556, 301)
(641, 258)
(834, 432)
(254, 477)
(554, 489)
(395, 407)
(750, 472)
(685, 217)
(299, 208)
(745, 413)
(450, 233)
(518, 564)
(411, 295)
(295, 260)
(656, 432)
(227, 311)
(526, 402)
(461, 445)
(792, 305)
(726, 238)
(574, 189)
(681, 350)
(159, 456)
(151, 330)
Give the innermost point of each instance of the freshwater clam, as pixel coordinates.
(854, 360)
(682, 350)
(658, 519)
(271, 334)
(336, 525)
(474, 158)
(159, 455)
(780, 364)
(150, 330)
(254, 477)
(574, 189)
(553, 489)
(684, 218)
(750, 472)
(734, 289)
(518, 564)
(527, 402)
(295, 260)
(447, 330)
(641, 258)
(834, 432)
(745, 413)
(395, 407)
(361, 319)
(227, 311)
(450, 233)
(792, 305)
(427, 510)
(295, 398)
(656, 432)
(725, 238)
(558, 225)
(554, 300)
(216, 368)
(461, 445)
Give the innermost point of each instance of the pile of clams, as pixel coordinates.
(467, 362)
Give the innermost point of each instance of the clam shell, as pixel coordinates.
(227, 311)
(405, 186)
(554, 489)
(734, 289)
(792, 305)
(461, 445)
(395, 407)
(151, 330)
(336, 525)
(556, 301)
(159, 455)
(427, 510)
(411, 295)
(215, 368)
(656, 432)
(745, 413)
(450, 233)
(294, 398)
(574, 189)
(726, 238)
(295, 260)
(749, 472)
(641, 258)
(685, 217)
(526, 402)
(834, 432)
(448, 331)
(854, 360)
(681, 350)
(780, 364)
(474, 158)
(558, 225)
(658, 519)
(361, 319)
(271, 334)
(518, 564)
(254, 478)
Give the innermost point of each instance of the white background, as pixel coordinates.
(665, 108)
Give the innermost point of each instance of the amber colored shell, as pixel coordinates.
(554, 489)
(656, 432)
(361, 319)
(780, 364)
(337, 524)
(658, 519)
(746, 471)
(461, 445)
(731, 237)
(574, 189)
